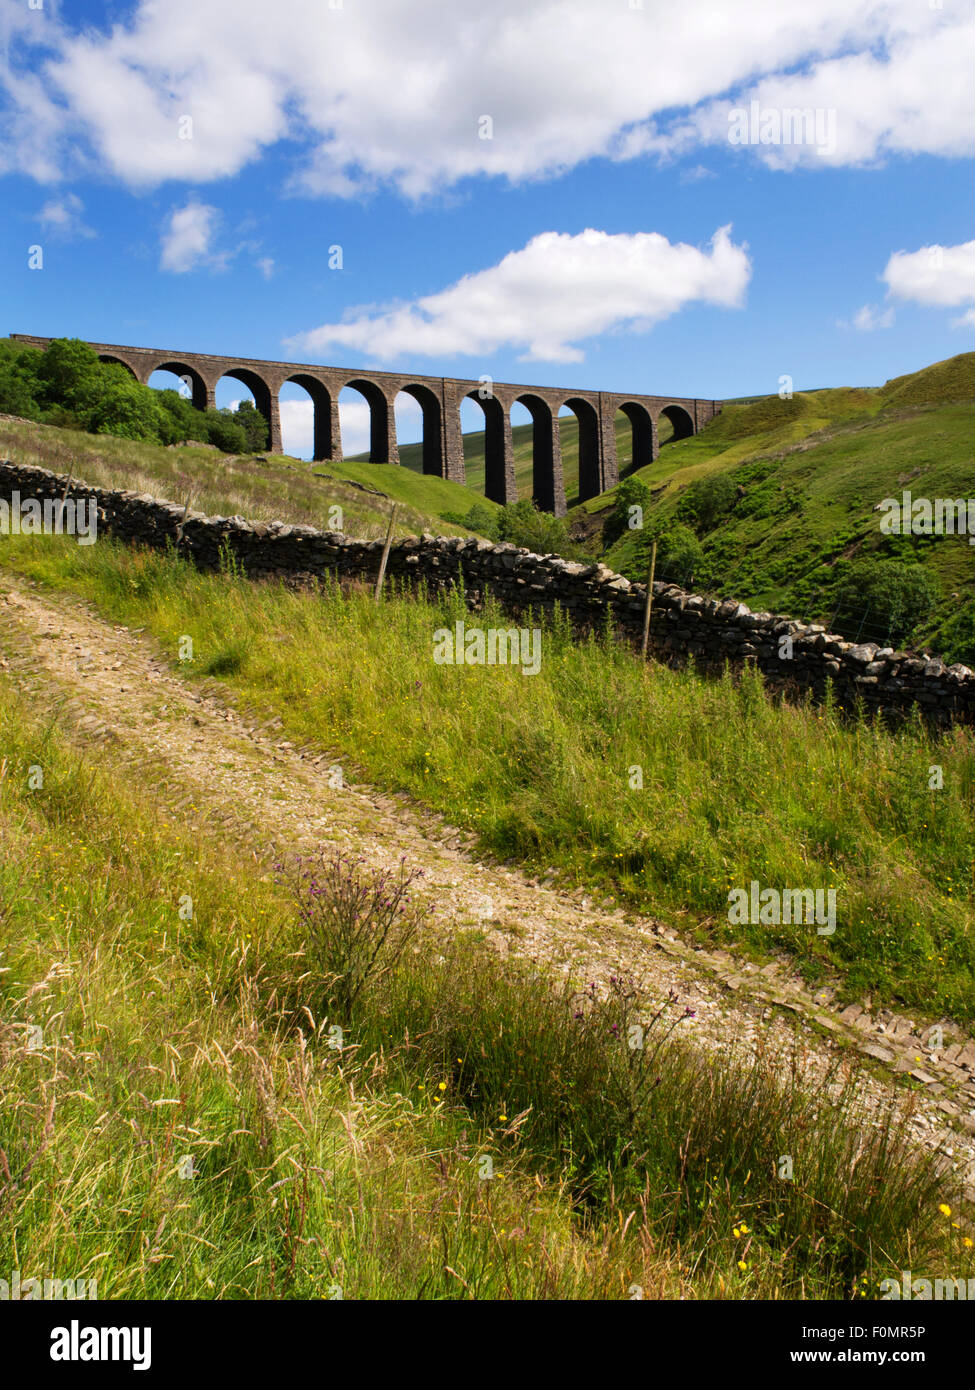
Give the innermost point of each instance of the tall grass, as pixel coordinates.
(543, 769)
(473, 1134)
(173, 1131)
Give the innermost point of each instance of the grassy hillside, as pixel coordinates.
(810, 473)
(807, 476)
(261, 487)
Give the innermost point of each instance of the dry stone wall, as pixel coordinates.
(685, 625)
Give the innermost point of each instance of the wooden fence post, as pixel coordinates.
(385, 557)
(646, 616)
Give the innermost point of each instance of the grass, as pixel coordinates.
(735, 788)
(177, 1038)
(164, 1040)
(262, 488)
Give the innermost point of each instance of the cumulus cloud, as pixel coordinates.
(941, 276)
(187, 240)
(394, 93)
(62, 218)
(546, 298)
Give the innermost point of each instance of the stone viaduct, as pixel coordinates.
(439, 399)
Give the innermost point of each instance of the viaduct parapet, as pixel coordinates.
(440, 400)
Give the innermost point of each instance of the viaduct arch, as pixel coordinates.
(440, 400)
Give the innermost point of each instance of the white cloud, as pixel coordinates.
(546, 298)
(387, 92)
(62, 218)
(187, 240)
(266, 266)
(940, 276)
(870, 318)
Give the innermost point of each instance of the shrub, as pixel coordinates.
(478, 519)
(632, 492)
(679, 554)
(521, 523)
(18, 381)
(898, 595)
(958, 635)
(225, 433)
(706, 501)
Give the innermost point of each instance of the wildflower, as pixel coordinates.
(742, 1265)
(967, 1242)
(944, 1209)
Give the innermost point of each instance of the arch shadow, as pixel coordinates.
(589, 472)
(379, 410)
(641, 436)
(680, 420)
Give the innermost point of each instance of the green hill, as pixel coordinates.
(808, 475)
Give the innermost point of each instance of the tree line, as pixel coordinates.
(68, 386)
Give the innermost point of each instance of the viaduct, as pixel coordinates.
(439, 399)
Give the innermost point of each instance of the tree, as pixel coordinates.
(254, 425)
(679, 554)
(69, 375)
(224, 431)
(123, 407)
(523, 524)
(18, 381)
(181, 420)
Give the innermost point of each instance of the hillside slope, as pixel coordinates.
(809, 474)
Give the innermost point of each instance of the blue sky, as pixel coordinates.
(186, 169)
